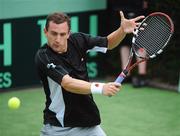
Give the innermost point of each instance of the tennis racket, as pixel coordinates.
(149, 40)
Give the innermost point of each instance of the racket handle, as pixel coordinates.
(121, 76)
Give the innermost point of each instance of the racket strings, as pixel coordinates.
(154, 36)
(164, 21)
(157, 34)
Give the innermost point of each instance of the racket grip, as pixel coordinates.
(121, 76)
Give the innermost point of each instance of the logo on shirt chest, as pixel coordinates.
(51, 65)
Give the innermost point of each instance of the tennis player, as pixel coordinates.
(61, 64)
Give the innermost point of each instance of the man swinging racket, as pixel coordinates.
(61, 64)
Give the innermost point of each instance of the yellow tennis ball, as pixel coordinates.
(14, 103)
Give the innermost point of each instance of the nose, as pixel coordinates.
(58, 39)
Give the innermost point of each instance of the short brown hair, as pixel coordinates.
(58, 18)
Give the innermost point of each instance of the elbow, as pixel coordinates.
(110, 47)
(66, 81)
(110, 43)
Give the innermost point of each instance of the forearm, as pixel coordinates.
(115, 38)
(75, 85)
(83, 87)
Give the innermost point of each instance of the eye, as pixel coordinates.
(62, 34)
(54, 34)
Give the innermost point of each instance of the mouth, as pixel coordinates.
(56, 45)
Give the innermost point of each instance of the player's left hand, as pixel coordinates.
(129, 25)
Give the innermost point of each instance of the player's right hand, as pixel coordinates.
(111, 88)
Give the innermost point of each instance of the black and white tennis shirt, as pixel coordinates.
(64, 108)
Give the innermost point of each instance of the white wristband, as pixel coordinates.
(97, 88)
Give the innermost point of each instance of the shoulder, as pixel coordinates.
(78, 39)
(43, 56)
(83, 38)
(41, 51)
(79, 36)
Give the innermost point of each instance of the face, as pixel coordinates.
(57, 35)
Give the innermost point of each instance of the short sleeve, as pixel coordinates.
(47, 67)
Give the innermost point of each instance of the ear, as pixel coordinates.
(69, 34)
(45, 32)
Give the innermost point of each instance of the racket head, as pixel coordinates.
(152, 35)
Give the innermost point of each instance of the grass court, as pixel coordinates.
(133, 112)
